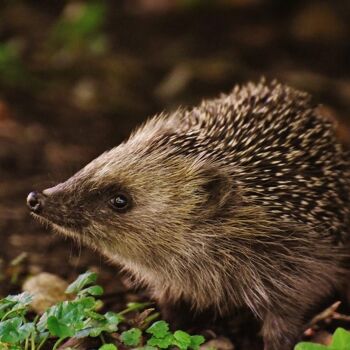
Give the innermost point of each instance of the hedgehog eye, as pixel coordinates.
(120, 202)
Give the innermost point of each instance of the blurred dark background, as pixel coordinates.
(77, 76)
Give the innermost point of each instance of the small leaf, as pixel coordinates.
(5, 305)
(131, 337)
(23, 299)
(113, 318)
(134, 307)
(158, 329)
(94, 315)
(182, 340)
(9, 330)
(26, 330)
(15, 304)
(162, 343)
(341, 339)
(196, 341)
(95, 331)
(84, 333)
(311, 346)
(108, 347)
(58, 329)
(110, 328)
(93, 290)
(82, 281)
(86, 302)
(13, 331)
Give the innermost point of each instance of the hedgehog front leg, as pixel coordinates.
(280, 332)
(178, 315)
(181, 316)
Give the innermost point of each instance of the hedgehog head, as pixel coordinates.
(139, 198)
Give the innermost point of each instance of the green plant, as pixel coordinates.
(81, 318)
(12, 70)
(340, 341)
(162, 338)
(80, 28)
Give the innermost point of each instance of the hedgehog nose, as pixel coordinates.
(35, 202)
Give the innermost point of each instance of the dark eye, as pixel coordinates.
(120, 202)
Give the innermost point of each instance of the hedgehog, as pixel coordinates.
(239, 203)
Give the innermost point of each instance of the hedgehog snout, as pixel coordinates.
(35, 201)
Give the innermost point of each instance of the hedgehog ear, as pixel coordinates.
(218, 190)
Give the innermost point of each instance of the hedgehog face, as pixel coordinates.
(131, 204)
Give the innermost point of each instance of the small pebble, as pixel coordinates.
(220, 343)
(47, 289)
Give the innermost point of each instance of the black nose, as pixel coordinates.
(35, 202)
